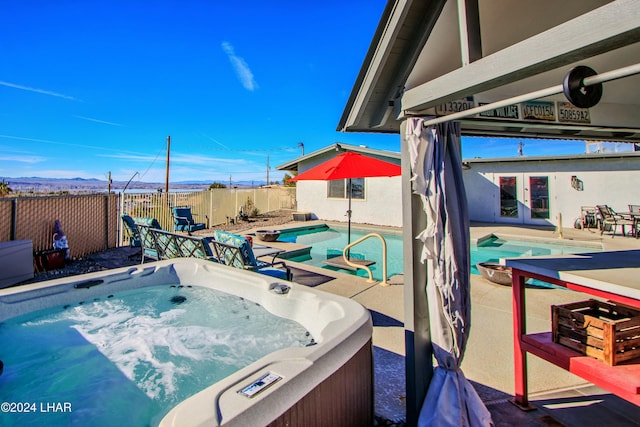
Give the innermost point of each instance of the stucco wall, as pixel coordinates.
(382, 204)
(610, 181)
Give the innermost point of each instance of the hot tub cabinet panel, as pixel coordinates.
(345, 399)
(329, 383)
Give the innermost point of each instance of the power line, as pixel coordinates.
(220, 148)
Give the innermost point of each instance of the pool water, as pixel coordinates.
(491, 250)
(127, 359)
(327, 241)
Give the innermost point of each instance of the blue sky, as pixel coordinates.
(88, 87)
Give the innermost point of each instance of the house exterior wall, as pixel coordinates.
(609, 181)
(382, 204)
(605, 179)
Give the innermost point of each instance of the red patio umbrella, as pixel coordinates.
(349, 165)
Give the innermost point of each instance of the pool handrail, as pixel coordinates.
(364, 267)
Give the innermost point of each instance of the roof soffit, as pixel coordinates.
(527, 46)
(572, 41)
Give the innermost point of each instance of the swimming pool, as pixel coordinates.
(328, 241)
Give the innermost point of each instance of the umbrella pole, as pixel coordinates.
(349, 222)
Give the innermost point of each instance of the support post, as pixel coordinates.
(418, 349)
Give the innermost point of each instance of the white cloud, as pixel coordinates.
(22, 159)
(213, 162)
(242, 69)
(46, 141)
(36, 90)
(97, 121)
(134, 157)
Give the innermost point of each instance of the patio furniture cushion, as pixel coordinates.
(147, 240)
(248, 258)
(236, 251)
(131, 231)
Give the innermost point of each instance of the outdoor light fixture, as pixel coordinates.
(576, 183)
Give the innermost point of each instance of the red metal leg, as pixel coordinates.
(519, 329)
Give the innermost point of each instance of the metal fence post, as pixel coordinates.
(106, 222)
(14, 218)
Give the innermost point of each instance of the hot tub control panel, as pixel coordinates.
(261, 384)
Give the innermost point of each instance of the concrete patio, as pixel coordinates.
(561, 397)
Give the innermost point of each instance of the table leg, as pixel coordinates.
(519, 329)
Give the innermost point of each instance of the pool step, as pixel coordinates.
(339, 262)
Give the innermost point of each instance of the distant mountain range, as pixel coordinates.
(82, 185)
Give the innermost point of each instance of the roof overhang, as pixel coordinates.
(337, 148)
(430, 58)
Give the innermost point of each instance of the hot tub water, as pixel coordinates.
(128, 358)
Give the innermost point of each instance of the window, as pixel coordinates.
(338, 188)
(539, 189)
(508, 197)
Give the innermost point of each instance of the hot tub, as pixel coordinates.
(329, 383)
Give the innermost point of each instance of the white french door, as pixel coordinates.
(523, 198)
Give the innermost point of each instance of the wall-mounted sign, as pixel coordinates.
(508, 112)
(455, 106)
(569, 113)
(539, 110)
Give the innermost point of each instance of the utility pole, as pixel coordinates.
(166, 181)
(301, 145)
(109, 184)
(267, 169)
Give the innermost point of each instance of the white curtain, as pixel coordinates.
(437, 178)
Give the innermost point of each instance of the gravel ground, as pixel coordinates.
(266, 220)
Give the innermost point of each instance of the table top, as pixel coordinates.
(631, 214)
(262, 250)
(616, 272)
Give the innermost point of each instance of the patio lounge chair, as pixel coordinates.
(609, 220)
(235, 251)
(183, 220)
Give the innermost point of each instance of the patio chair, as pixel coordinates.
(609, 220)
(183, 220)
(147, 240)
(171, 245)
(588, 217)
(634, 211)
(131, 231)
(235, 251)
